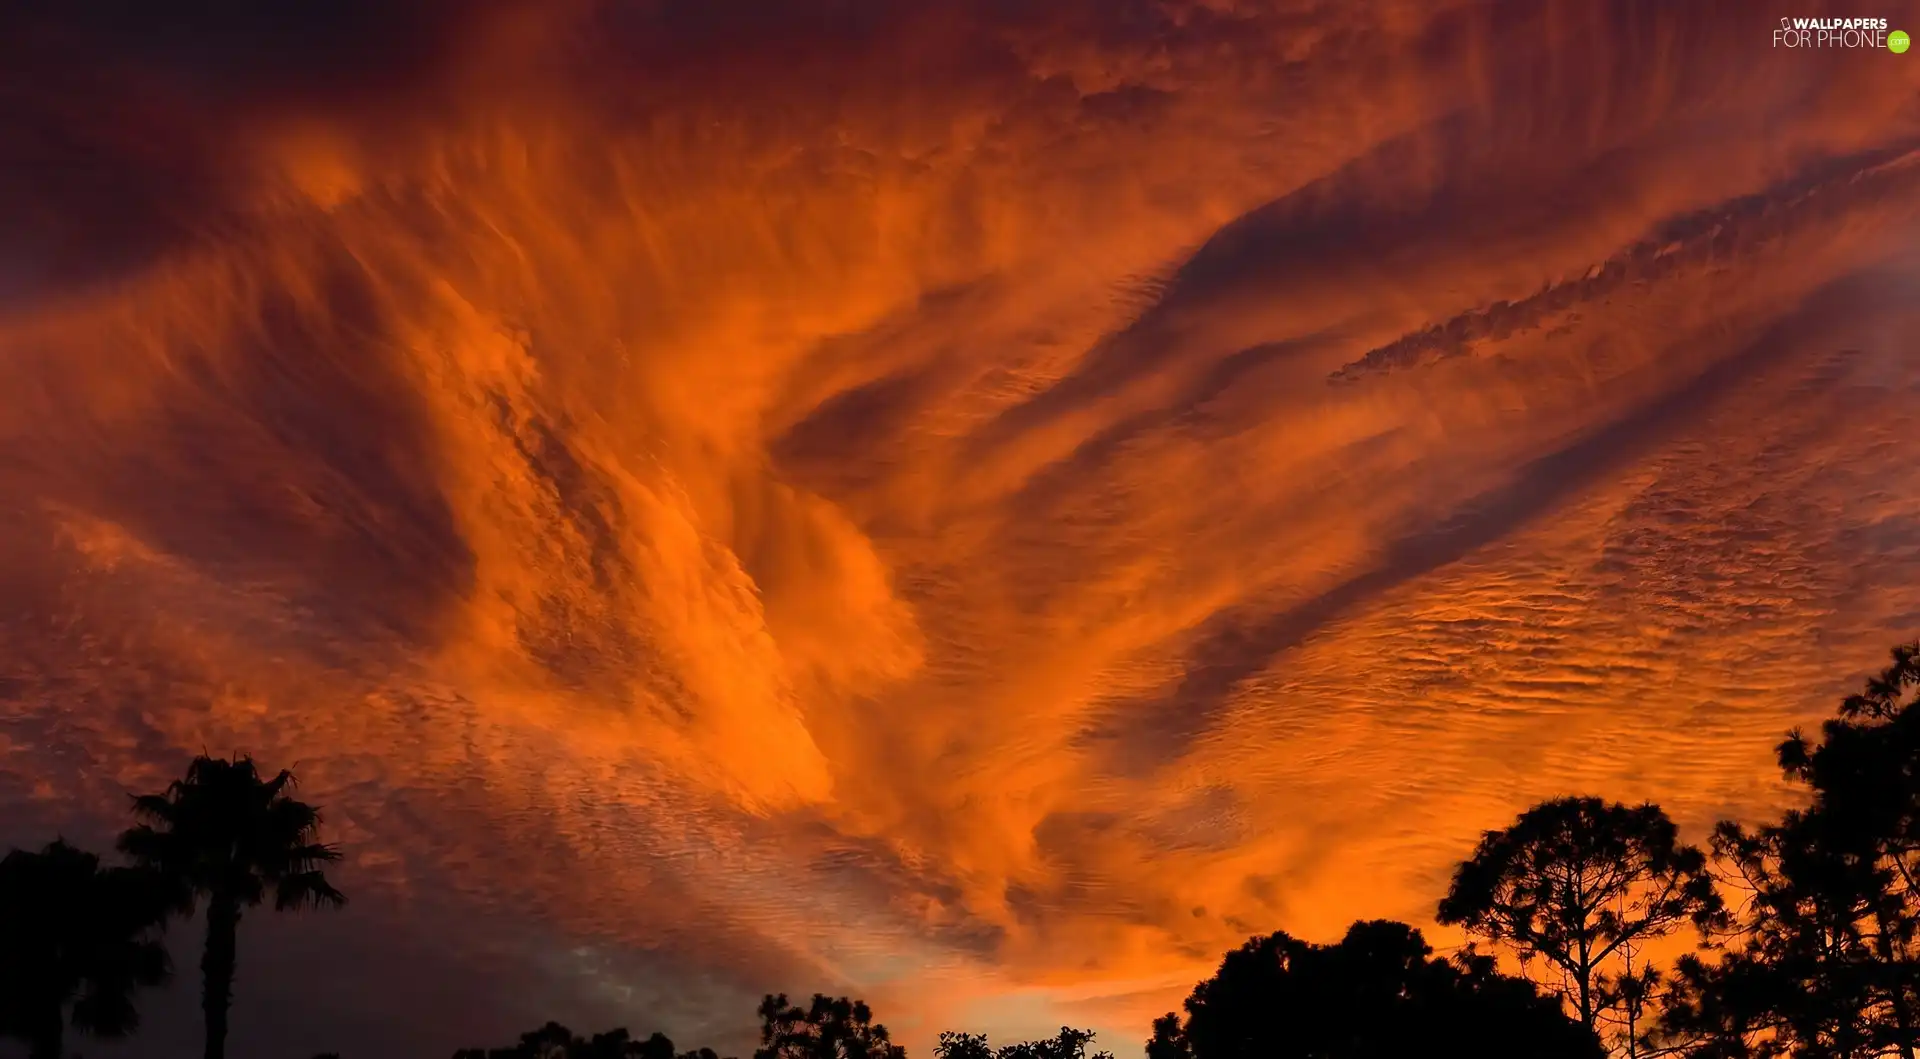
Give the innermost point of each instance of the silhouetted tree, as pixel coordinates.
(554, 1041)
(551, 1041)
(1742, 1006)
(1069, 1043)
(76, 942)
(1830, 921)
(1581, 883)
(1378, 994)
(828, 1029)
(955, 1045)
(1169, 1041)
(226, 835)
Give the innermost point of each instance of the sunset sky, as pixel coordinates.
(978, 505)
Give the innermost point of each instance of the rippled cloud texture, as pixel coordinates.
(978, 505)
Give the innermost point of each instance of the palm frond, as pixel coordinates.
(307, 889)
(143, 843)
(226, 832)
(308, 857)
(106, 1013)
(155, 808)
(292, 819)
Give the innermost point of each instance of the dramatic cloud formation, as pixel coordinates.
(983, 505)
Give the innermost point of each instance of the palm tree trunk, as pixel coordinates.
(216, 971)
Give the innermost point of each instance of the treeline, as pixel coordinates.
(1805, 932)
(828, 1027)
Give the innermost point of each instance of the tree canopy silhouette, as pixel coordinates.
(829, 1028)
(554, 1041)
(1828, 966)
(1581, 883)
(226, 835)
(1069, 1043)
(1377, 994)
(76, 942)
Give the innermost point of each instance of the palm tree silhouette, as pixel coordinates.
(75, 935)
(226, 835)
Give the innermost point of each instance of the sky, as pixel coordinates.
(980, 505)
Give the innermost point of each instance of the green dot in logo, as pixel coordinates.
(1897, 42)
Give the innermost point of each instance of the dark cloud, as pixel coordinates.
(127, 123)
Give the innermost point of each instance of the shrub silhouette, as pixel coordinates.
(828, 1028)
(1069, 1043)
(554, 1041)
